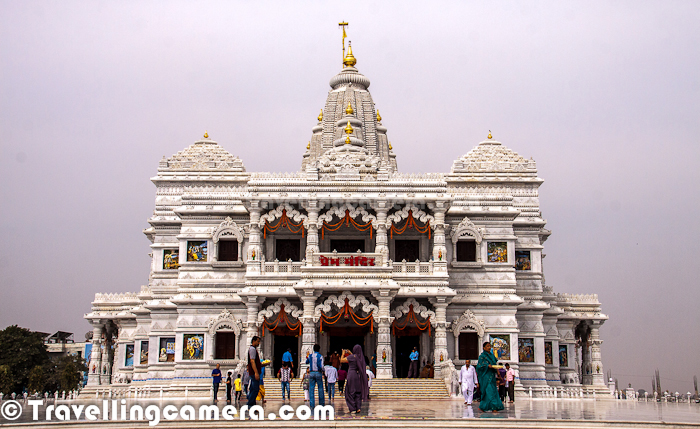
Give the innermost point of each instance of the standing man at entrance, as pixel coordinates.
(413, 368)
(216, 376)
(288, 359)
(468, 381)
(254, 370)
(315, 362)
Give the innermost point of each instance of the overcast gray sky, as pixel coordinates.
(603, 95)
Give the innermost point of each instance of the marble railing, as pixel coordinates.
(116, 297)
(412, 268)
(284, 268)
(578, 298)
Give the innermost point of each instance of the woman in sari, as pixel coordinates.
(490, 400)
(356, 387)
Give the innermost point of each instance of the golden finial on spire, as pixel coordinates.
(379, 117)
(320, 116)
(347, 139)
(343, 25)
(390, 148)
(349, 60)
(490, 136)
(308, 146)
(348, 129)
(206, 134)
(349, 110)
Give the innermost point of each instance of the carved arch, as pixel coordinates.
(466, 227)
(224, 321)
(419, 309)
(417, 213)
(292, 213)
(274, 308)
(340, 212)
(353, 301)
(227, 228)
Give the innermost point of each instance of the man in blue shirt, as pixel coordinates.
(287, 357)
(216, 376)
(413, 368)
(315, 362)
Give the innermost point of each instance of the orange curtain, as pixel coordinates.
(347, 313)
(411, 316)
(347, 220)
(284, 222)
(281, 318)
(410, 223)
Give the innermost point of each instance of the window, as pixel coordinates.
(228, 250)
(225, 345)
(288, 249)
(466, 251)
(406, 249)
(468, 346)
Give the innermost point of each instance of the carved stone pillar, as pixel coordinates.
(439, 249)
(312, 243)
(586, 367)
(308, 338)
(597, 374)
(252, 304)
(255, 251)
(382, 245)
(107, 356)
(95, 368)
(440, 355)
(384, 352)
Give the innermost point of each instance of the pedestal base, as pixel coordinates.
(384, 370)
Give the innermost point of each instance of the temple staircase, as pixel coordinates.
(395, 388)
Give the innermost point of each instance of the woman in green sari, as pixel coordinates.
(490, 401)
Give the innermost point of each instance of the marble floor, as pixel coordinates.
(453, 409)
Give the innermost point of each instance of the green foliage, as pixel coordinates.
(37, 379)
(7, 381)
(21, 350)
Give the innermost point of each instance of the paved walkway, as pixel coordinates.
(538, 413)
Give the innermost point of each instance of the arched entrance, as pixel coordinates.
(345, 321)
(412, 329)
(280, 324)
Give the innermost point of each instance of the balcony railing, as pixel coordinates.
(284, 268)
(416, 268)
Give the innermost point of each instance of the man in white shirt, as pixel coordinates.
(331, 379)
(468, 381)
(370, 376)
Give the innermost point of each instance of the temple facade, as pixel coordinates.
(346, 251)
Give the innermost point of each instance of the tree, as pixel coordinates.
(7, 381)
(37, 379)
(21, 350)
(65, 373)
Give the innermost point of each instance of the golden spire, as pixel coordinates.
(349, 110)
(347, 139)
(390, 148)
(320, 116)
(348, 129)
(490, 136)
(379, 117)
(349, 60)
(308, 146)
(206, 134)
(343, 25)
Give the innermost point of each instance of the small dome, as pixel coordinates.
(349, 75)
(204, 154)
(491, 156)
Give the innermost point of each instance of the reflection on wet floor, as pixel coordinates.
(549, 409)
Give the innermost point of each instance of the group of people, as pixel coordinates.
(349, 370)
(490, 379)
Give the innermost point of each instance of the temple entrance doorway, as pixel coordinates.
(348, 246)
(404, 346)
(346, 338)
(281, 344)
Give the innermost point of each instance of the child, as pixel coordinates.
(228, 388)
(238, 383)
(370, 376)
(305, 385)
(342, 375)
(285, 376)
